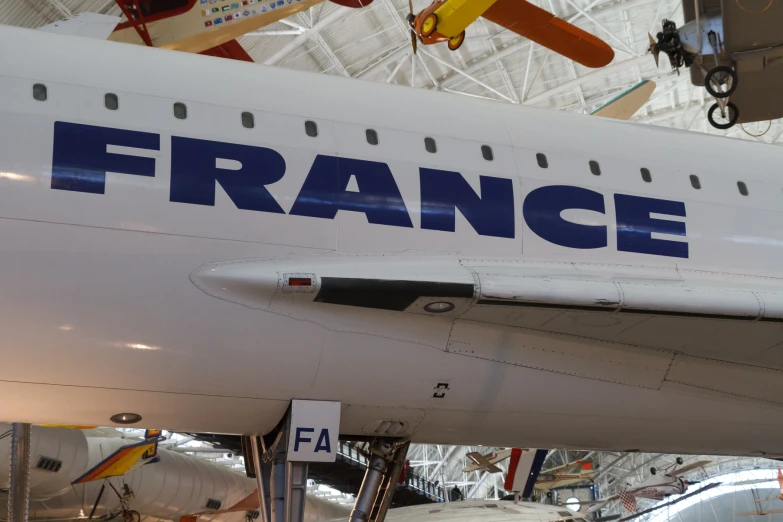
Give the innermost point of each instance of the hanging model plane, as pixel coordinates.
(486, 462)
(761, 502)
(636, 514)
(199, 26)
(657, 487)
(447, 20)
(723, 43)
(167, 255)
(567, 474)
(125, 459)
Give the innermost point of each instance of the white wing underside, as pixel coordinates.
(695, 332)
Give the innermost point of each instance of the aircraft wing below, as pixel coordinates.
(546, 29)
(650, 327)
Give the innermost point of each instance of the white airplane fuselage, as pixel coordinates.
(141, 258)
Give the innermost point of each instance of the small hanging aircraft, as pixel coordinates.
(565, 475)
(447, 20)
(659, 486)
(759, 501)
(638, 514)
(125, 459)
(486, 462)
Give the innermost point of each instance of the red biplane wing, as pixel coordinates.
(546, 29)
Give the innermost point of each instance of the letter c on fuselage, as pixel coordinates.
(542, 209)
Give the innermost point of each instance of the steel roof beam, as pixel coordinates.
(340, 13)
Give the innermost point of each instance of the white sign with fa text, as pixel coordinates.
(314, 433)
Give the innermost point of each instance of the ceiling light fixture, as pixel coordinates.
(126, 418)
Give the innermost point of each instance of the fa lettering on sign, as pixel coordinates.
(314, 431)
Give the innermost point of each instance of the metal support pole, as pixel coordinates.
(259, 479)
(371, 484)
(277, 483)
(97, 500)
(19, 490)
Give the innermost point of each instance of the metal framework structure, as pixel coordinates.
(373, 44)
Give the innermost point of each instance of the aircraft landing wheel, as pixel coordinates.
(456, 42)
(721, 81)
(131, 516)
(429, 25)
(723, 121)
(653, 471)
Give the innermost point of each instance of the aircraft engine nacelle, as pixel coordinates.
(355, 4)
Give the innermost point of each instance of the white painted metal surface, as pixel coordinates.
(99, 288)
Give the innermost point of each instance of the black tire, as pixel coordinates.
(653, 471)
(721, 74)
(732, 113)
(131, 516)
(679, 460)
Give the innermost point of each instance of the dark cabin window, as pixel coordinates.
(111, 101)
(695, 183)
(311, 128)
(742, 188)
(39, 92)
(180, 111)
(646, 175)
(429, 144)
(248, 120)
(541, 159)
(595, 168)
(486, 152)
(372, 137)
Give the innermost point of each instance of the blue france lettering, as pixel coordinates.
(442, 192)
(635, 226)
(194, 174)
(324, 192)
(542, 209)
(80, 162)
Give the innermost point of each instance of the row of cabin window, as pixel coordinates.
(112, 102)
(595, 168)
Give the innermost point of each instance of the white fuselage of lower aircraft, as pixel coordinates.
(484, 274)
